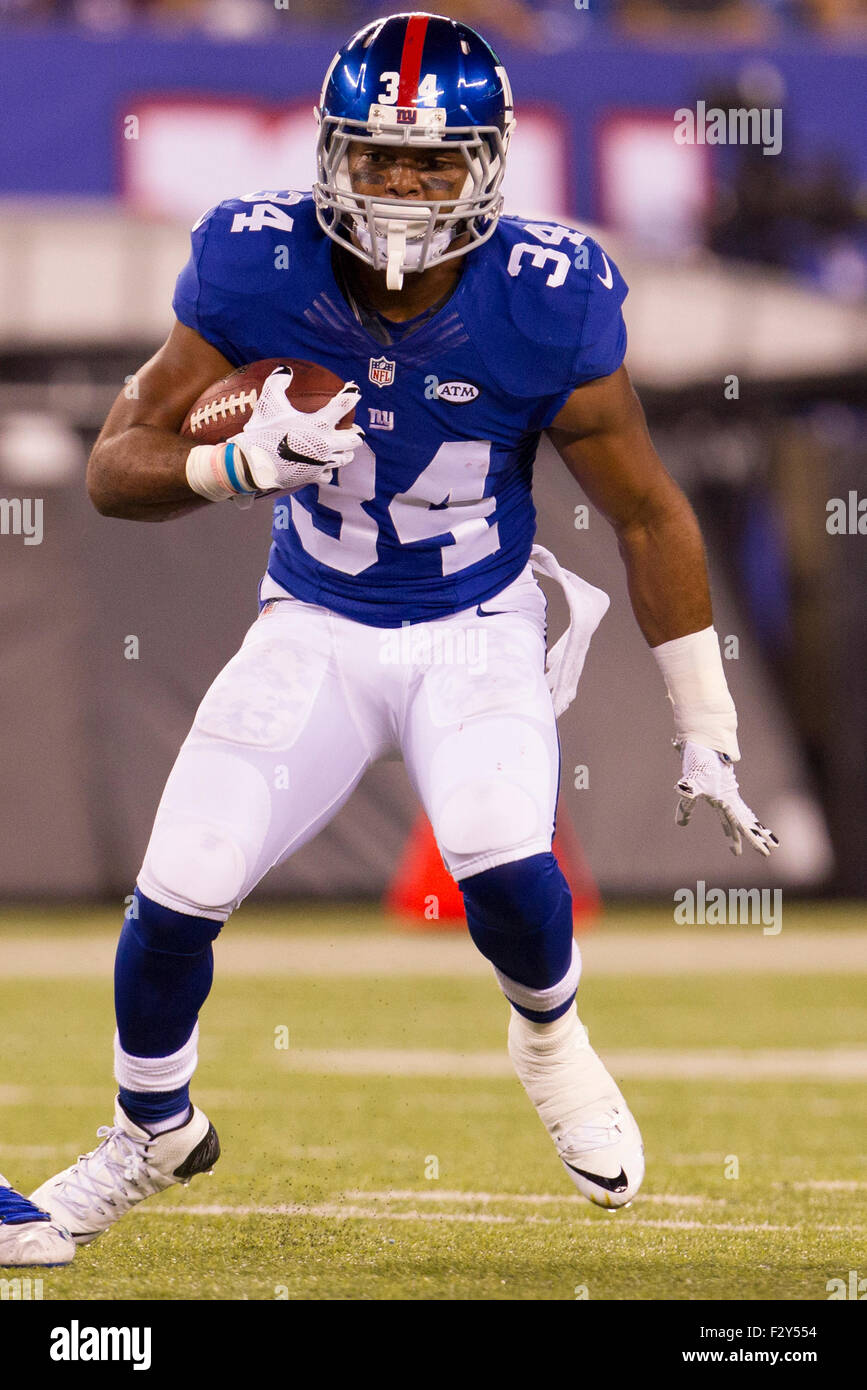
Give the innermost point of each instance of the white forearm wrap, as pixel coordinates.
(217, 471)
(704, 711)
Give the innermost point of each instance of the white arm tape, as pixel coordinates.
(216, 471)
(704, 711)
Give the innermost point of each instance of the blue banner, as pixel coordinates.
(65, 94)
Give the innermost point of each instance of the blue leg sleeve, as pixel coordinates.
(163, 972)
(520, 918)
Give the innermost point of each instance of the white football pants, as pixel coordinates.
(311, 699)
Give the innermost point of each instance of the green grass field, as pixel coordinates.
(387, 1151)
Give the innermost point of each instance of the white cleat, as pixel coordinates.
(28, 1236)
(129, 1165)
(581, 1107)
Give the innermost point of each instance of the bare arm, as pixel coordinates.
(136, 467)
(601, 435)
(602, 438)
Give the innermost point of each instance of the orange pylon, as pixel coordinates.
(423, 894)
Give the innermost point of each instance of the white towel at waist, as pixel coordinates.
(587, 607)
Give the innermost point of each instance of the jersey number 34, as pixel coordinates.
(455, 475)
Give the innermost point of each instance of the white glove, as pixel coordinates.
(284, 448)
(709, 776)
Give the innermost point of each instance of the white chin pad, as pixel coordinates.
(396, 255)
(384, 217)
(397, 249)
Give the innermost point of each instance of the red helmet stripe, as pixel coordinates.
(410, 59)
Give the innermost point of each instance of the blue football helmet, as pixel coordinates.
(422, 81)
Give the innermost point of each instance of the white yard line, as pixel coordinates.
(532, 1199)
(334, 1211)
(32, 1150)
(724, 1064)
(383, 954)
(698, 1160)
(338, 1211)
(831, 1185)
(834, 1065)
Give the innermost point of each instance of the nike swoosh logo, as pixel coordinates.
(618, 1184)
(608, 278)
(497, 613)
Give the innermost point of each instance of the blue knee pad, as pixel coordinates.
(163, 973)
(520, 918)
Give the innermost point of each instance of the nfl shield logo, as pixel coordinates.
(381, 371)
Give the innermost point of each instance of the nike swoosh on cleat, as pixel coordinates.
(618, 1184)
(201, 1159)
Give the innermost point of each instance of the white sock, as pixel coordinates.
(545, 1037)
(555, 1064)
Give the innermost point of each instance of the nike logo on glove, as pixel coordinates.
(618, 1184)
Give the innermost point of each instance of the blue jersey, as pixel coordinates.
(434, 513)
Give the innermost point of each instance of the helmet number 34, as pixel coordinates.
(427, 89)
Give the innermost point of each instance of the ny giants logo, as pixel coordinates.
(380, 419)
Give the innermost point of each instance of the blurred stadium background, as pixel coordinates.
(126, 120)
(748, 344)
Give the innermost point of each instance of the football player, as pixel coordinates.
(461, 335)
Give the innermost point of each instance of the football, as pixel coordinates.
(225, 408)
